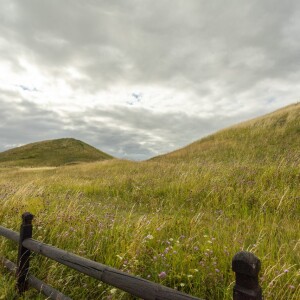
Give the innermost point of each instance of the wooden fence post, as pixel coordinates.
(246, 267)
(24, 253)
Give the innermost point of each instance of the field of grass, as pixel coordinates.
(186, 213)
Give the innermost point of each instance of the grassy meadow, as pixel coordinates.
(177, 219)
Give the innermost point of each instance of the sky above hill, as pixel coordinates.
(140, 78)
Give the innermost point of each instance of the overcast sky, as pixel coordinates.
(137, 78)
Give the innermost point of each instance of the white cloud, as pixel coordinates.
(199, 64)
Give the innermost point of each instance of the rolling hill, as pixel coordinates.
(267, 138)
(51, 153)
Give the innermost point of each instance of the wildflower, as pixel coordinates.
(182, 284)
(162, 275)
(149, 237)
(196, 248)
(217, 270)
(286, 270)
(291, 287)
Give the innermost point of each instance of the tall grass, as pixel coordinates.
(177, 220)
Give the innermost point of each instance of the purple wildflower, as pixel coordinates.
(162, 275)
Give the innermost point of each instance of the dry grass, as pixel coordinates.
(185, 214)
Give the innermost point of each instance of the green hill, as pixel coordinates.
(265, 139)
(51, 153)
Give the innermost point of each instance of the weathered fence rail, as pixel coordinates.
(34, 282)
(245, 264)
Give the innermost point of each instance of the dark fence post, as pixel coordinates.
(246, 267)
(24, 253)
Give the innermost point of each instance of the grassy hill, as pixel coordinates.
(185, 213)
(52, 153)
(267, 138)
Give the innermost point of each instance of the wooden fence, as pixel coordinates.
(244, 264)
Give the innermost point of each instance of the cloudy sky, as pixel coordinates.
(137, 78)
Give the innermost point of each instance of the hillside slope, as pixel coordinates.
(267, 138)
(52, 153)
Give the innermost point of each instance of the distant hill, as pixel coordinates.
(268, 138)
(52, 153)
